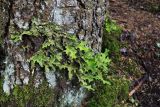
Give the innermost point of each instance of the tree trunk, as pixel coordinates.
(84, 18)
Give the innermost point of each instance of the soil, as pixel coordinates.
(144, 26)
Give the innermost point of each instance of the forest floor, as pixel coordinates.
(142, 27)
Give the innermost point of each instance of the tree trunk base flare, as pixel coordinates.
(83, 18)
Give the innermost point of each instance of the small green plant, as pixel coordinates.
(111, 27)
(65, 52)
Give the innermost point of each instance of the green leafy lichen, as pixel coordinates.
(65, 52)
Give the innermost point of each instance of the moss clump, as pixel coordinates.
(28, 95)
(111, 38)
(111, 96)
(3, 96)
(45, 95)
(116, 94)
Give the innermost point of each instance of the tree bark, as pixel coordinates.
(84, 18)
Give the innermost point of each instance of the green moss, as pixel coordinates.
(45, 95)
(3, 96)
(22, 96)
(111, 39)
(116, 94)
(111, 96)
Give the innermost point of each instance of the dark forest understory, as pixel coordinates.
(142, 19)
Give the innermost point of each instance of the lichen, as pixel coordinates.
(73, 97)
(51, 78)
(8, 76)
(64, 52)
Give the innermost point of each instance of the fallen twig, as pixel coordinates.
(138, 86)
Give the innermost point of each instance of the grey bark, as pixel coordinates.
(84, 18)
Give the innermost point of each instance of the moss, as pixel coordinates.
(111, 39)
(111, 96)
(3, 96)
(28, 95)
(116, 94)
(45, 96)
